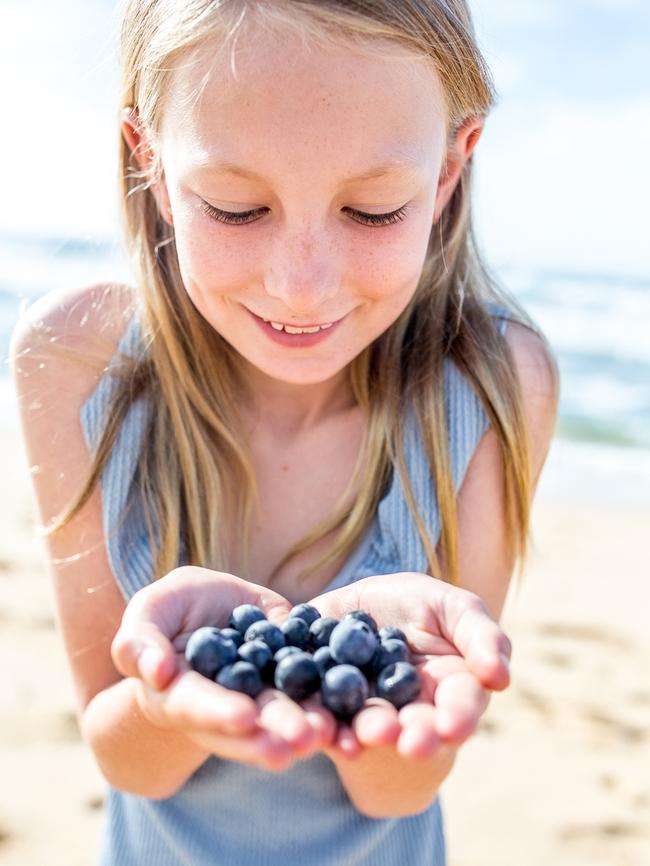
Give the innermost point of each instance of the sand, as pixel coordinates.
(558, 773)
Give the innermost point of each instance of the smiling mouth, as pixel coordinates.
(292, 329)
(313, 328)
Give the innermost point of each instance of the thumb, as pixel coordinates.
(144, 653)
(275, 606)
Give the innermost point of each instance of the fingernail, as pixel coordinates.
(148, 662)
(505, 661)
(240, 726)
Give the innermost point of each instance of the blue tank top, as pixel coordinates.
(227, 813)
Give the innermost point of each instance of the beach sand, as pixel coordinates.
(558, 773)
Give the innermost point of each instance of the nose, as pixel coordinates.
(303, 272)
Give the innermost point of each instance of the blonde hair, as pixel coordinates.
(196, 466)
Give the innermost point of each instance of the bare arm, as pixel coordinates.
(381, 782)
(132, 753)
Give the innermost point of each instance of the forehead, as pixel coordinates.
(295, 102)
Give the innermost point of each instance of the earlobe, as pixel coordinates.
(136, 139)
(458, 155)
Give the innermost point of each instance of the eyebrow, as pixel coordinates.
(403, 164)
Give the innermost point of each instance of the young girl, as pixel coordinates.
(309, 394)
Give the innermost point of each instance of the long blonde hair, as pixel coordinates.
(195, 466)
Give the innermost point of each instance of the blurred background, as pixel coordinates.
(562, 185)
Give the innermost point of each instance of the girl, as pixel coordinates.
(309, 395)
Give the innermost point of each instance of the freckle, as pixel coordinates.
(285, 468)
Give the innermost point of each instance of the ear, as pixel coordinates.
(457, 156)
(138, 142)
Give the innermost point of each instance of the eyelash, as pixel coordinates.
(378, 219)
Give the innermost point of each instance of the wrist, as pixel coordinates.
(381, 783)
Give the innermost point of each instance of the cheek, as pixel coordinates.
(380, 264)
(209, 256)
(389, 268)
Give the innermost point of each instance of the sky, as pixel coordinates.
(562, 169)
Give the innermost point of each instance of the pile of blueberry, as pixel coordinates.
(346, 660)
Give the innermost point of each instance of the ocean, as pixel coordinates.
(596, 323)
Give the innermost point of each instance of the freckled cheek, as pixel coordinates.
(208, 258)
(385, 268)
(390, 269)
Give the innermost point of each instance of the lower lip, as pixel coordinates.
(296, 341)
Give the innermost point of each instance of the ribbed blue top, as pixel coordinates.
(227, 813)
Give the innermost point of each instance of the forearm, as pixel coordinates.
(383, 784)
(134, 755)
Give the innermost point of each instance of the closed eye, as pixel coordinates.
(243, 217)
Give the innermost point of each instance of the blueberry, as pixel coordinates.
(399, 683)
(256, 652)
(244, 616)
(320, 631)
(352, 642)
(234, 635)
(362, 616)
(296, 632)
(390, 631)
(324, 659)
(242, 677)
(344, 690)
(304, 611)
(297, 676)
(267, 632)
(207, 651)
(285, 651)
(389, 652)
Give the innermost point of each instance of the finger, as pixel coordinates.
(485, 647)
(260, 749)
(192, 702)
(434, 670)
(460, 702)
(337, 602)
(419, 737)
(377, 723)
(322, 722)
(286, 719)
(182, 601)
(347, 742)
(145, 653)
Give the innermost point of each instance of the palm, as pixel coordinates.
(165, 614)
(455, 647)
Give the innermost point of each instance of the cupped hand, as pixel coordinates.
(459, 650)
(270, 731)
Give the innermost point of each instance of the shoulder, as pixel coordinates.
(485, 559)
(62, 344)
(538, 374)
(90, 318)
(533, 356)
(59, 350)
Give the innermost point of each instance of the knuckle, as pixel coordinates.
(148, 708)
(122, 652)
(476, 603)
(181, 572)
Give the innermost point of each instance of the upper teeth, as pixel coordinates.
(291, 330)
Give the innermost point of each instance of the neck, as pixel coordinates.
(290, 410)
